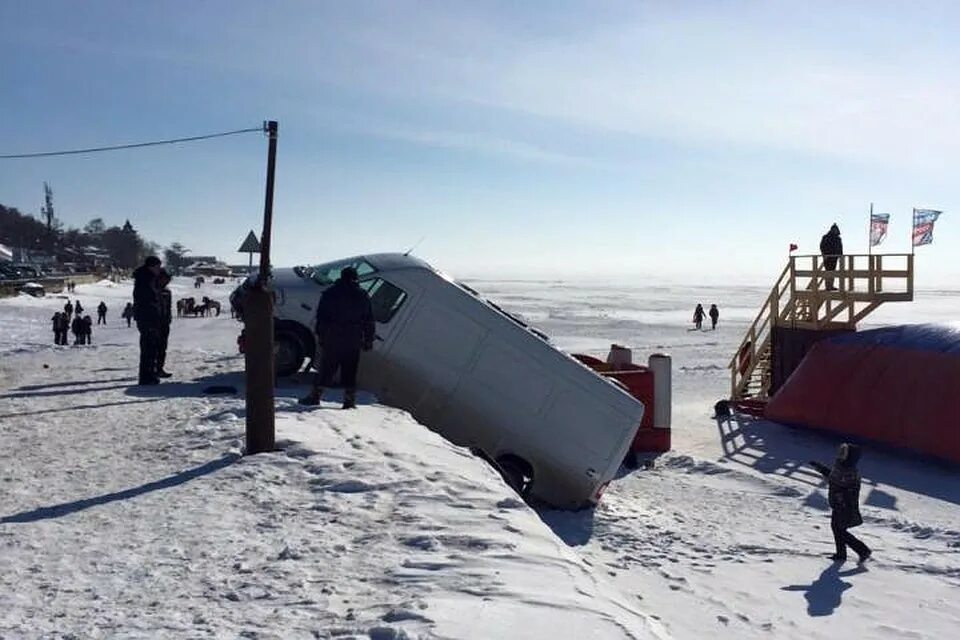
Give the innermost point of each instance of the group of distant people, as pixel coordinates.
(699, 314)
(153, 311)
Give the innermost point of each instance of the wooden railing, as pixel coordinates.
(807, 295)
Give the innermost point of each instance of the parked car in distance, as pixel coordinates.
(467, 369)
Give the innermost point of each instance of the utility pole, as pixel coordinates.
(258, 320)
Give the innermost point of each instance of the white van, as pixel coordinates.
(478, 376)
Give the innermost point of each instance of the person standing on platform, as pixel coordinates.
(831, 248)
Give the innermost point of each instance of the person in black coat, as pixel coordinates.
(831, 247)
(87, 330)
(102, 313)
(60, 328)
(127, 313)
(147, 313)
(166, 317)
(345, 326)
(844, 497)
(79, 332)
(68, 309)
(714, 316)
(698, 315)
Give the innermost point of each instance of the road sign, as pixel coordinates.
(250, 245)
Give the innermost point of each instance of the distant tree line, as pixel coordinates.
(122, 244)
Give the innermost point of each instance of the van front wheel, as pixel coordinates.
(287, 353)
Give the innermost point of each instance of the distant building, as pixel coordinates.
(207, 268)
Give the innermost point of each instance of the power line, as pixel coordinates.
(47, 154)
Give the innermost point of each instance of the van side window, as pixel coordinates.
(385, 298)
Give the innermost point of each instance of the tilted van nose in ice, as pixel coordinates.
(472, 372)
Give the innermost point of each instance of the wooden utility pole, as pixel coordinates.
(258, 320)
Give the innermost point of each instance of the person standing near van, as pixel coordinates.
(831, 248)
(146, 311)
(714, 316)
(345, 326)
(166, 317)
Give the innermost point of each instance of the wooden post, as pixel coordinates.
(258, 321)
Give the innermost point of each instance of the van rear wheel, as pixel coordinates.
(516, 472)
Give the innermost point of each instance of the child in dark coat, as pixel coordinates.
(844, 497)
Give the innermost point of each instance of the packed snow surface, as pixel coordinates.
(128, 512)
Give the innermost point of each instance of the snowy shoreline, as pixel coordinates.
(128, 513)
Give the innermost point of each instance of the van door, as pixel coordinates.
(392, 306)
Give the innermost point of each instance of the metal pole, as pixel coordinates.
(258, 320)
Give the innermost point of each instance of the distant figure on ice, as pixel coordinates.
(844, 497)
(61, 327)
(698, 315)
(127, 313)
(87, 330)
(146, 309)
(102, 313)
(831, 247)
(714, 316)
(166, 317)
(79, 333)
(77, 308)
(68, 309)
(344, 326)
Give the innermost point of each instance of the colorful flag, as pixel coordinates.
(923, 220)
(878, 227)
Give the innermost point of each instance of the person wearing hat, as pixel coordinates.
(831, 248)
(166, 317)
(147, 312)
(345, 326)
(843, 494)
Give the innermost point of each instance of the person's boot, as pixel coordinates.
(312, 399)
(163, 374)
(350, 399)
(863, 557)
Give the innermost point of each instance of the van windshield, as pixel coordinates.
(328, 273)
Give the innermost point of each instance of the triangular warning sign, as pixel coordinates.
(250, 245)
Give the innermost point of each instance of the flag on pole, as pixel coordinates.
(878, 227)
(793, 247)
(923, 220)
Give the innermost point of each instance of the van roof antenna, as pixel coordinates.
(417, 244)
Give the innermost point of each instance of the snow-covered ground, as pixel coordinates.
(128, 512)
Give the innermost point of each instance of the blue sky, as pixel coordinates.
(622, 140)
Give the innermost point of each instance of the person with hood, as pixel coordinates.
(345, 326)
(714, 316)
(698, 315)
(843, 494)
(146, 311)
(78, 308)
(68, 309)
(831, 248)
(102, 313)
(166, 317)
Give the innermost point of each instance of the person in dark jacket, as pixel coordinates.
(843, 494)
(166, 317)
(831, 247)
(345, 326)
(698, 315)
(127, 313)
(79, 333)
(87, 330)
(714, 316)
(68, 309)
(78, 308)
(102, 313)
(60, 328)
(146, 311)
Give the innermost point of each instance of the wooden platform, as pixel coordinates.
(807, 296)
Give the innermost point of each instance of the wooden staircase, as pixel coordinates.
(801, 299)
